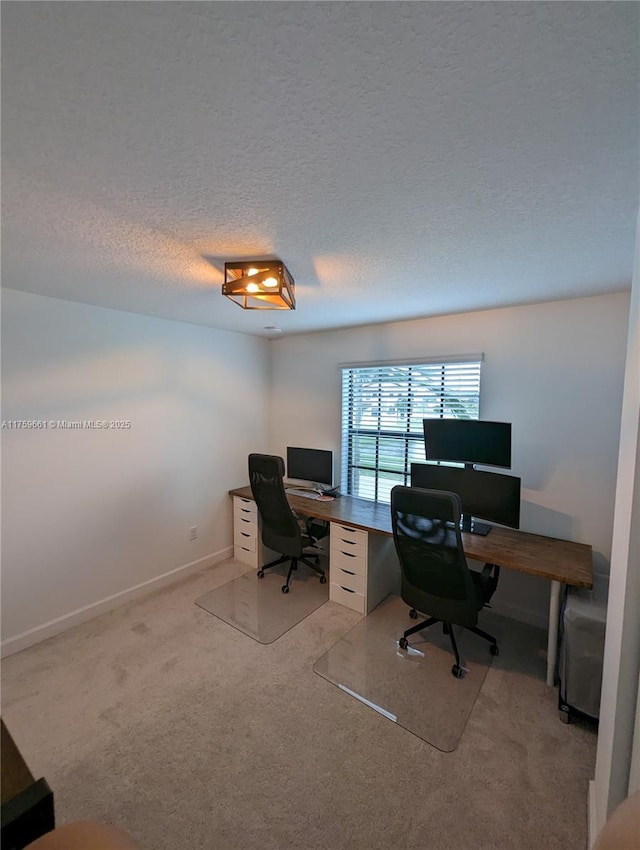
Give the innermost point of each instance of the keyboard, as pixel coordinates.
(306, 494)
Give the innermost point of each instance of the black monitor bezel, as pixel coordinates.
(469, 441)
(466, 481)
(321, 455)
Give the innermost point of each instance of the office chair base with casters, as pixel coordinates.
(294, 566)
(458, 670)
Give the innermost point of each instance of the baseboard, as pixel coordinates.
(591, 812)
(88, 612)
(522, 615)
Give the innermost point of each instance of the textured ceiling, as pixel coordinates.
(403, 159)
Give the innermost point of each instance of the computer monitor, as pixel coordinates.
(468, 441)
(493, 496)
(311, 465)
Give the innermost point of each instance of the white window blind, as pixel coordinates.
(382, 411)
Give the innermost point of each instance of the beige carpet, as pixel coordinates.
(188, 734)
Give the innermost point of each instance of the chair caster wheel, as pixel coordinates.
(457, 671)
(285, 588)
(493, 649)
(260, 573)
(413, 614)
(403, 643)
(323, 579)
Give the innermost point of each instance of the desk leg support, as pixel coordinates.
(552, 638)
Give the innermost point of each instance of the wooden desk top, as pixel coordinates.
(547, 557)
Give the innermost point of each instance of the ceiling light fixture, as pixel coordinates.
(259, 285)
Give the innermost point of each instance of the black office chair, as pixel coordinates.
(435, 577)
(282, 530)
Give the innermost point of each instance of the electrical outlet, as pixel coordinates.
(193, 532)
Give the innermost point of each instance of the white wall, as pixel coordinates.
(554, 370)
(619, 705)
(90, 514)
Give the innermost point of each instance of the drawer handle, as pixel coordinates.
(244, 534)
(347, 589)
(350, 542)
(348, 572)
(349, 554)
(349, 530)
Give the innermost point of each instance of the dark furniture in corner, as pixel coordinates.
(435, 577)
(283, 531)
(27, 804)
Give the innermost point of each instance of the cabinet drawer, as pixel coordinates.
(348, 539)
(244, 507)
(245, 538)
(348, 561)
(348, 580)
(348, 598)
(247, 556)
(246, 525)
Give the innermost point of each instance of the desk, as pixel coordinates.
(558, 561)
(27, 804)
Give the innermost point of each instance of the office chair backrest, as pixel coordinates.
(280, 529)
(435, 577)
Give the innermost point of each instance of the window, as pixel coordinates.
(382, 411)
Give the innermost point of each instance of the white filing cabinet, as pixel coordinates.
(247, 539)
(363, 567)
(246, 535)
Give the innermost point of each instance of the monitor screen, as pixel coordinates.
(468, 441)
(315, 465)
(493, 496)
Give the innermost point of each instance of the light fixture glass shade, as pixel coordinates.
(259, 285)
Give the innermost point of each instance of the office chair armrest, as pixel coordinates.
(490, 575)
(317, 528)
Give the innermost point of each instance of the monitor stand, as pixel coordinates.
(471, 525)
